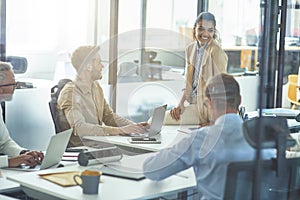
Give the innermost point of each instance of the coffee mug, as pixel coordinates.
(89, 181)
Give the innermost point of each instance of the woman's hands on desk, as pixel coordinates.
(30, 158)
(138, 128)
(177, 111)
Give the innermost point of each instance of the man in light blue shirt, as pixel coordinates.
(209, 149)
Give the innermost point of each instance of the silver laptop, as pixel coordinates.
(54, 153)
(158, 117)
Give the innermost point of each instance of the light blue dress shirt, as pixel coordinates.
(208, 150)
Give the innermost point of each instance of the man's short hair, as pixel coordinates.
(83, 55)
(224, 87)
(4, 66)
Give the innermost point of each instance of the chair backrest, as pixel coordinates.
(269, 132)
(240, 181)
(19, 64)
(274, 129)
(292, 87)
(58, 117)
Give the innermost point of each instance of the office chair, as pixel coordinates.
(128, 72)
(279, 177)
(19, 64)
(240, 180)
(292, 90)
(58, 117)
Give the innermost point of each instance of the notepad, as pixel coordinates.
(122, 172)
(64, 179)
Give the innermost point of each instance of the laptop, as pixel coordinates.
(158, 117)
(54, 153)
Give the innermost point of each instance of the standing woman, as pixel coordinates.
(204, 58)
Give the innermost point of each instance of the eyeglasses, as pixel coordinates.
(16, 84)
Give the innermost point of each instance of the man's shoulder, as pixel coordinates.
(68, 87)
(66, 92)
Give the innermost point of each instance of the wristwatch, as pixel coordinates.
(24, 151)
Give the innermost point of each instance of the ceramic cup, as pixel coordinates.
(89, 181)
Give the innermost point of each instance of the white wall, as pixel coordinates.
(249, 86)
(28, 117)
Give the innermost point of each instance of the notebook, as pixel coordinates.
(122, 172)
(54, 153)
(158, 117)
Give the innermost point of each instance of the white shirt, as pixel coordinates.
(8, 147)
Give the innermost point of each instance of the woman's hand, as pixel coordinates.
(177, 111)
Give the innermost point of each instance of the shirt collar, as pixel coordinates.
(83, 86)
(201, 47)
(229, 116)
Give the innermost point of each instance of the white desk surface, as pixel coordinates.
(2, 197)
(11, 186)
(8, 185)
(112, 187)
(169, 136)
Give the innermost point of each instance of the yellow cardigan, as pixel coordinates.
(214, 61)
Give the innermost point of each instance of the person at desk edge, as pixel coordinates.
(83, 103)
(11, 154)
(211, 148)
(204, 59)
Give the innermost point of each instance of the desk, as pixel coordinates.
(2, 197)
(11, 187)
(247, 57)
(294, 126)
(8, 186)
(111, 188)
(169, 136)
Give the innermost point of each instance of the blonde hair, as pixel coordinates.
(83, 55)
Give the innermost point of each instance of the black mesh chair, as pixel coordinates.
(278, 178)
(59, 119)
(240, 180)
